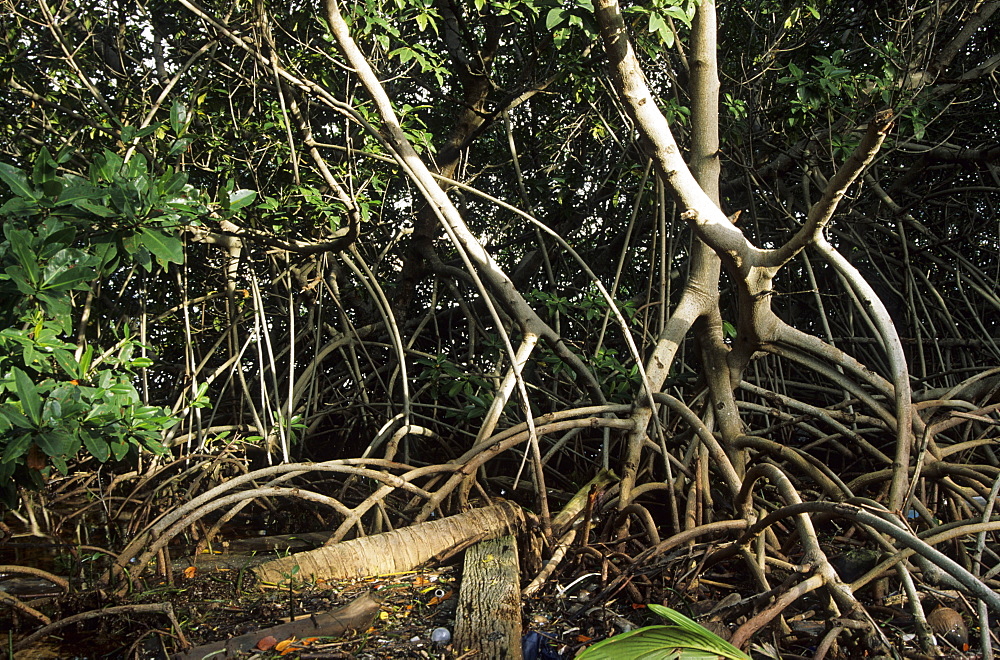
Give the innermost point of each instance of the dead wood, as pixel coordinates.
(397, 550)
(488, 620)
(356, 614)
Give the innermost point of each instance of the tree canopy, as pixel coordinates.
(745, 256)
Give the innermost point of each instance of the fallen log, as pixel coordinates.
(396, 551)
(357, 614)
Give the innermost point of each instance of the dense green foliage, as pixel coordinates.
(509, 97)
(65, 237)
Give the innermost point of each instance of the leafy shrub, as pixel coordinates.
(61, 235)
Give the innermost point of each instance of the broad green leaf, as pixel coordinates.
(136, 168)
(17, 181)
(96, 209)
(53, 191)
(149, 130)
(167, 249)
(174, 183)
(178, 117)
(67, 279)
(651, 643)
(79, 190)
(28, 394)
(44, 169)
(240, 198)
(124, 391)
(125, 197)
(52, 412)
(59, 237)
(179, 145)
(687, 640)
(154, 445)
(68, 363)
(101, 413)
(16, 447)
(66, 270)
(107, 255)
(16, 418)
(55, 443)
(57, 306)
(556, 18)
(19, 206)
(21, 245)
(656, 22)
(679, 14)
(725, 648)
(106, 165)
(85, 360)
(60, 464)
(98, 447)
(119, 449)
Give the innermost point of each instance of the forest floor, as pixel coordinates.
(416, 610)
(217, 598)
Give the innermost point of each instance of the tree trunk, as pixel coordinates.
(489, 604)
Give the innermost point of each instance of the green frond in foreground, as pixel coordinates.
(684, 640)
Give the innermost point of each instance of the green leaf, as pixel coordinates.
(106, 165)
(55, 443)
(99, 211)
(60, 463)
(173, 183)
(17, 182)
(21, 244)
(556, 18)
(45, 168)
(98, 447)
(687, 640)
(119, 449)
(52, 412)
(679, 14)
(63, 272)
(650, 643)
(16, 447)
(126, 197)
(18, 206)
(154, 445)
(178, 117)
(179, 145)
(656, 22)
(136, 168)
(726, 649)
(28, 393)
(240, 198)
(85, 360)
(167, 249)
(77, 190)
